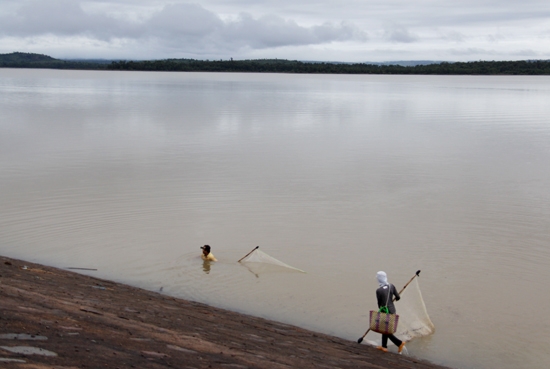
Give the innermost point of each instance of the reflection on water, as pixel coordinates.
(129, 173)
(206, 266)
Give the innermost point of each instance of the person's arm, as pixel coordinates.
(395, 293)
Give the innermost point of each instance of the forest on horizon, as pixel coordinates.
(523, 67)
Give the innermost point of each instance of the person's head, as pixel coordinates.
(382, 278)
(205, 249)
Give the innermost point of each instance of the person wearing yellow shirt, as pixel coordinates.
(206, 254)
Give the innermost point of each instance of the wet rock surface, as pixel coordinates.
(53, 318)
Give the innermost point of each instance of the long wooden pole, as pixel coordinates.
(417, 274)
(248, 253)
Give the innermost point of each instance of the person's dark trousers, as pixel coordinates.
(396, 341)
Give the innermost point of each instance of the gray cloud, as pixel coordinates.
(274, 31)
(400, 34)
(471, 51)
(495, 37)
(526, 52)
(187, 20)
(454, 36)
(184, 24)
(60, 17)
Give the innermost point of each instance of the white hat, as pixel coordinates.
(382, 278)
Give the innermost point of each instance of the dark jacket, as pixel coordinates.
(382, 297)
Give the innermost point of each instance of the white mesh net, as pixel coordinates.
(258, 256)
(413, 316)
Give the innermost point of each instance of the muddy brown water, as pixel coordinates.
(340, 176)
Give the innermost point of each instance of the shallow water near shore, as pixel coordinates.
(341, 176)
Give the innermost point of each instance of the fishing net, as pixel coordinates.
(413, 316)
(258, 256)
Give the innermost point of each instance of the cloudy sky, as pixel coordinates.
(323, 30)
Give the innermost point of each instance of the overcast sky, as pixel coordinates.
(323, 30)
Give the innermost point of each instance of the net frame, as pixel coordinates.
(258, 256)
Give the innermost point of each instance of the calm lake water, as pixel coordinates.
(341, 176)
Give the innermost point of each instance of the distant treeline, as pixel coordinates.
(286, 66)
(526, 67)
(30, 60)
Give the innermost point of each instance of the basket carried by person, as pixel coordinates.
(383, 322)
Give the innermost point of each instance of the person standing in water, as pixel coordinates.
(206, 254)
(384, 296)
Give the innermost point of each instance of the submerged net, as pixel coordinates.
(413, 316)
(258, 256)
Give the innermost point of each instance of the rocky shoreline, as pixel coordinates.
(53, 318)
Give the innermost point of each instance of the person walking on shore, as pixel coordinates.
(207, 255)
(384, 296)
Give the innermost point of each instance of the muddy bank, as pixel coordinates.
(53, 318)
